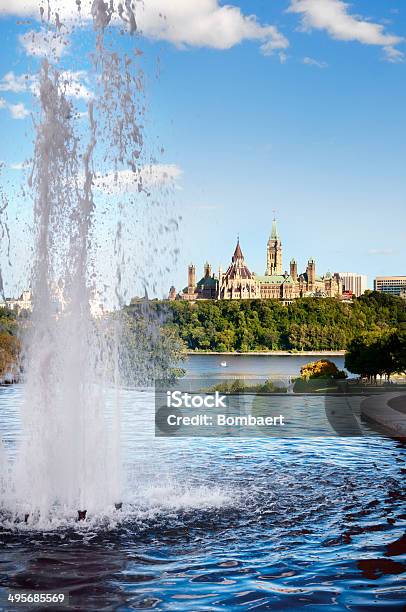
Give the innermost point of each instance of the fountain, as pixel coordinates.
(203, 523)
(69, 460)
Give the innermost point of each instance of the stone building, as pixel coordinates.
(24, 302)
(205, 289)
(274, 252)
(239, 283)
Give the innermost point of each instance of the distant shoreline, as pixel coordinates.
(273, 353)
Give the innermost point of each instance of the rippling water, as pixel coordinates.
(252, 524)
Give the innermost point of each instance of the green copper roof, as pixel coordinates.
(274, 279)
(274, 232)
(207, 281)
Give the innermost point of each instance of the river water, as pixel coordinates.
(271, 366)
(223, 524)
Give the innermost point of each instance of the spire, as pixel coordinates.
(237, 270)
(274, 251)
(237, 253)
(274, 232)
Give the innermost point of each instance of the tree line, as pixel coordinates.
(264, 325)
(372, 330)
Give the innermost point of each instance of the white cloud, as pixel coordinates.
(44, 43)
(18, 111)
(74, 83)
(17, 83)
(309, 61)
(276, 42)
(200, 23)
(333, 16)
(31, 8)
(393, 55)
(204, 23)
(126, 181)
(159, 174)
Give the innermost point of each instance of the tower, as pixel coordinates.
(293, 269)
(311, 274)
(207, 270)
(274, 252)
(191, 278)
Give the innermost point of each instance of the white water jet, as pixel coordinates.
(66, 459)
(69, 457)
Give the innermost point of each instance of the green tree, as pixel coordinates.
(374, 354)
(305, 324)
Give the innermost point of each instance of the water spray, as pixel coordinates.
(82, 515)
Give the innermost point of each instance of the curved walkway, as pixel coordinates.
(387, 410)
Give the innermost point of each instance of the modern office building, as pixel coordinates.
(390, 284)
(355, 283)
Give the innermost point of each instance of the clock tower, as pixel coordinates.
(274, 252)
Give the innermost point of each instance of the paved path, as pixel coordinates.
(387, 410)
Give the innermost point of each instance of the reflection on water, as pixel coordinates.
(226, 524)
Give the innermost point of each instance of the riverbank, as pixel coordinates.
(273, 353)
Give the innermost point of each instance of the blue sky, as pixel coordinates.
(302, 112)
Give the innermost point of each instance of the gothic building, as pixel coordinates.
(205, 289)
(274, 253)
(239, 283)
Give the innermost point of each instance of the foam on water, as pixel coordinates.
(172, 496)
(153, 503)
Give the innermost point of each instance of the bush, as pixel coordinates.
(9, 353)
(323, 368)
